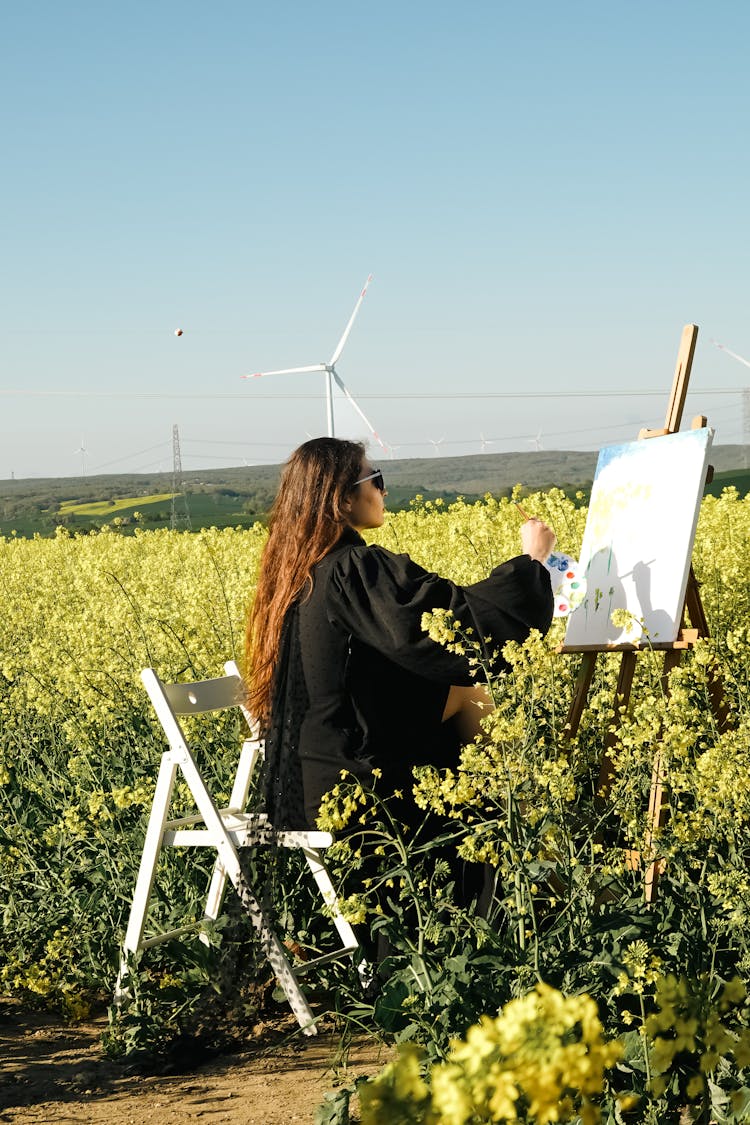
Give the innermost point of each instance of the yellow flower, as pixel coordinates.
(398, 1095)
(451, 1100)
(695, 1087)
(354, 909)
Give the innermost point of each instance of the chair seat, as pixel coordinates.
(244, 828)
(242, 835)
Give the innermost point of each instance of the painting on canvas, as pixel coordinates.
(638, 540)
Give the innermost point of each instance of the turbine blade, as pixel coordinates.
(286, 371)
(347, 330)
(733, 354)
(340, 383)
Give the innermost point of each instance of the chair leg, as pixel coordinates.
(325, 886)
(238, 800)
(147, 869)
(229, 860)
(215, 897)
(274, 953)
(348, 938)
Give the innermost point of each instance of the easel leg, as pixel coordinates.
(697, 615)
(656, 807)
(694, 606)
(622, 699)
(583, 683)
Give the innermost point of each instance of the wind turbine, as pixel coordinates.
(331, 374)
(437, 444)
(83, 451)
(484, 442)
(536, 441)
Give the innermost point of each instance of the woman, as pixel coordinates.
(341, 674)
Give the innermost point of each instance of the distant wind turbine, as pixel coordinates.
(331, 374)
(733, 354)
(437, 444)
(536, 441)
(83, 451)
(484, 442)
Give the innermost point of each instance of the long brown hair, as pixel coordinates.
(306, 519)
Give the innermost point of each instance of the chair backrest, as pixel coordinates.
(205, 695)
(171, 700)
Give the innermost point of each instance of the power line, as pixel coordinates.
(130, 456)
(220, 441)
(383, 396)
(244, 448)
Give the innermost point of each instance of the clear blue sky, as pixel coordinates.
(545, 194)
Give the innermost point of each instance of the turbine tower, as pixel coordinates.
(745, 401)
(178, 487)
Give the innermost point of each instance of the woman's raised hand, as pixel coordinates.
(537, 539)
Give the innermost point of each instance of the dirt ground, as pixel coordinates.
(55, 1072)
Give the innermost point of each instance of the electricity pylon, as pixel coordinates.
(178, 486)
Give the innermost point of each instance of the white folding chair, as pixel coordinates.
(227, 830)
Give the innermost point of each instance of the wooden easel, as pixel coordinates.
(673, 650)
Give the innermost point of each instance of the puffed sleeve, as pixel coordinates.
(514, 599)
(380, 597)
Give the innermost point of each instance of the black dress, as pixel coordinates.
(360, 684)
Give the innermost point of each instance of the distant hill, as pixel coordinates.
(242, 495)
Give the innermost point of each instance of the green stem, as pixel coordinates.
(645, 1041)
(517, 874)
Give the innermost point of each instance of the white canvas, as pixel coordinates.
(638, 540)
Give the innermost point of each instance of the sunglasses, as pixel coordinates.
(376, 476)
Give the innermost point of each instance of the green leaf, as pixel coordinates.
(334, 1109)
(388, 1009)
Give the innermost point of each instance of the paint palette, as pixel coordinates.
(568, 584)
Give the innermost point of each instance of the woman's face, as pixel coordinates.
(367, 501)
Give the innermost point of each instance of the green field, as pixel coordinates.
(111, 507)
(240, 497)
